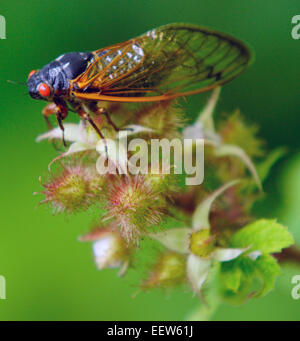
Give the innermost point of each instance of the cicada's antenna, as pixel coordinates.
(17, 83)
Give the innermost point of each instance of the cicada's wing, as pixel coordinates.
(167, 62)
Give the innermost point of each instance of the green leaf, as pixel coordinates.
(231, 276)
(267, 270)
(237, 277)
(265, 235)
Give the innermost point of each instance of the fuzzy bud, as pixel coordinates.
(73, 189)
(201, 243)
(135, 206)
(168, 271)
(163, 117)
(163, 183)
(234, 130)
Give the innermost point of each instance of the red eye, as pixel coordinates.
(31, 73)
(44, 90)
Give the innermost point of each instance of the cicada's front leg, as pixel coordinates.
(50, 109)
(60, 110)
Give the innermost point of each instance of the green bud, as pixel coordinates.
(201, 243)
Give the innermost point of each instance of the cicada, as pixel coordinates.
(162, 64)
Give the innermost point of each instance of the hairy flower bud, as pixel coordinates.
(163, 183)
(168, 271)
(73, 189)
(134, 205)
(234, 130)
(163, 117)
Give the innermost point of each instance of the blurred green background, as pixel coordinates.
(50, 275)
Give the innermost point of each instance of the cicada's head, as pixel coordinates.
(38, 87)
(47, 83)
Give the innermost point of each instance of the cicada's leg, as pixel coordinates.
(61, 114)
(61, 126)
(102, 111)
(50, 109)
(85, 116)
(53, 109)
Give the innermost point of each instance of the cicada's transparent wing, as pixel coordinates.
(111, 64)
(167, 62)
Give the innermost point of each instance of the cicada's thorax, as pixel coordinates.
(59, 73)
(69, 66)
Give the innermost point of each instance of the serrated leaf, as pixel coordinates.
(265, 235)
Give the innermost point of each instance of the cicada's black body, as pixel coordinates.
(58, 73)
